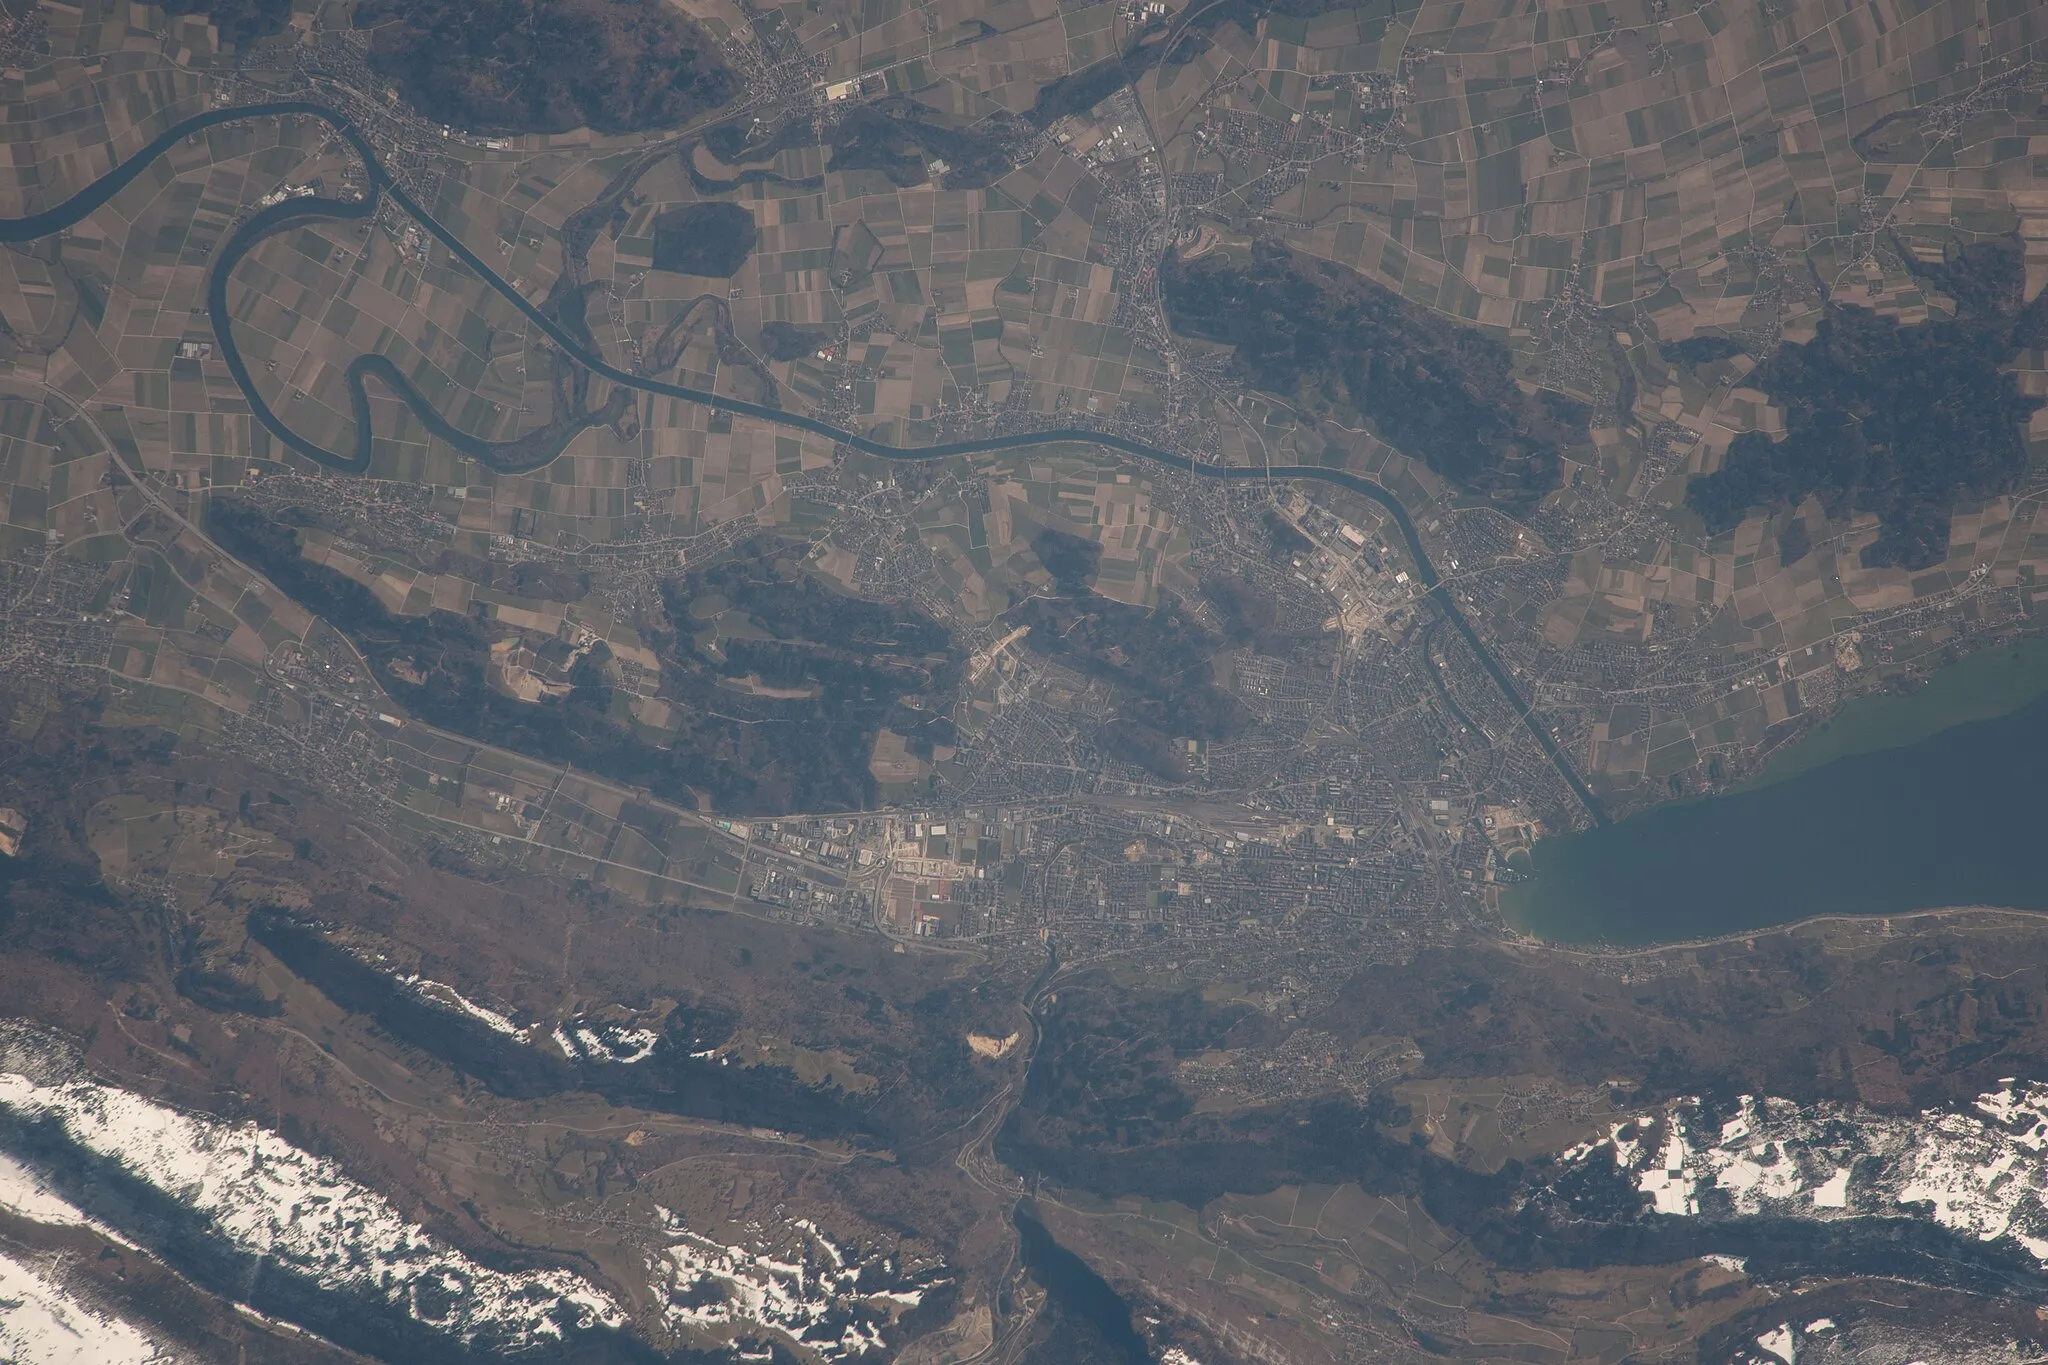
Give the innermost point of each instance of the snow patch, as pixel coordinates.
(810, 1291)
(633, 1045)
(1780, 1342)
(41, 1323)
(446, 996)
(583, 1041)
(1665, 1180)
(25, 1194)
(1982, 1172)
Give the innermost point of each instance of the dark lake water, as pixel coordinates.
(1959, 817)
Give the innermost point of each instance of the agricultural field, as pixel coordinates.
(853, 682)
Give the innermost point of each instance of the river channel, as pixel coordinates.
(1900, 803)
(511, 457)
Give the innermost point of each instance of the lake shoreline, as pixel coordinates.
(1608, 952)
(1981, 685)
(1949, 819)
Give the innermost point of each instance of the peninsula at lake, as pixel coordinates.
(1959, 817)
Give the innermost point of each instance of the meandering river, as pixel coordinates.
(533, 452)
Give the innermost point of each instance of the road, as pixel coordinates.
(269, 221)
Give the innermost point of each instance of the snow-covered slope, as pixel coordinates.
(253, 1191)
(26, 1194)
(42, 1323)
(1981, 1173)
(818, 1292)
(263, 1196)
